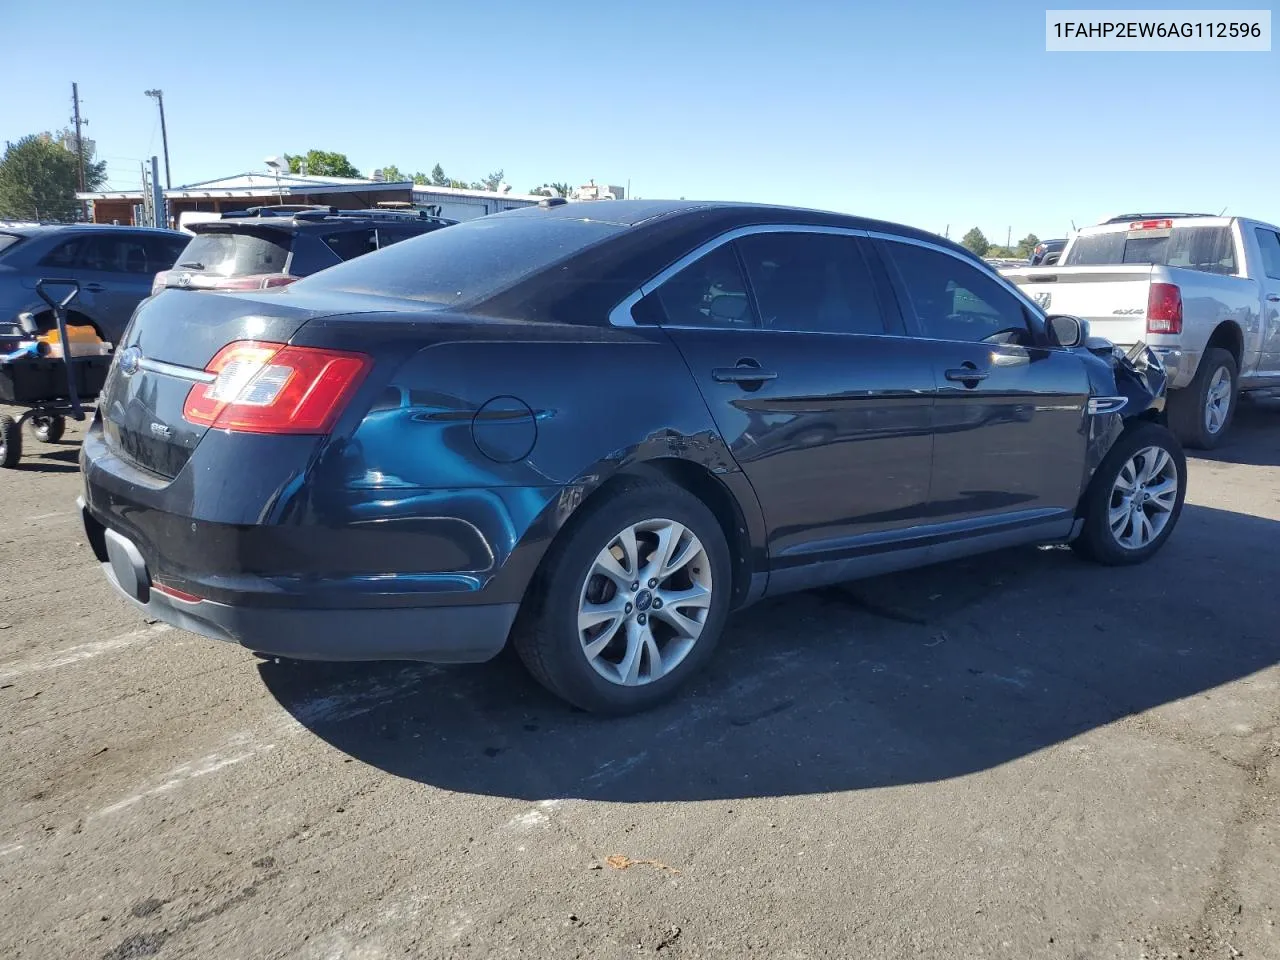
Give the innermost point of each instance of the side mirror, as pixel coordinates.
(1067, 331)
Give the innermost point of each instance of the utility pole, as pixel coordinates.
(1008, 239)
(77, 120)
(160, 213)
(164, 135)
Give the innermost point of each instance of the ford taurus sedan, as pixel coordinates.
(594, 430)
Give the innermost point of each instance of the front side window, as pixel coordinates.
(710, 292)
(811, 283)
(1269, 241)
(953, 300)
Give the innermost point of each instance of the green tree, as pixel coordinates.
(562, 188)
(492, 181)
(421, 179)
(461, 185)
(1026, 245)
(976, 242)
(39, 177)
(437, 176)
(322, 163)
(392, 174)
(1000, 253)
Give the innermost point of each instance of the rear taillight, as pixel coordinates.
(274, 388)
(205, 281)
(1151, 225)
(1164, 308)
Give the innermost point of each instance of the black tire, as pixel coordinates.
(10, 442)
(1097, 542)
(547, 636)
(1187, 407)
(49, 429)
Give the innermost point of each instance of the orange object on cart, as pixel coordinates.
(85, 342)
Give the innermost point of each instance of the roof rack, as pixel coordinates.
(1153, 216)
(277, 210)
(393, 216)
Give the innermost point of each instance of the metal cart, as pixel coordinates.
(51, 388)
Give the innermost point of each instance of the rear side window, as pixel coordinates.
(466, 262)
(7, 240)
(349, 244)
(164, 251)
(237, 254)
(710, 292)
(1269, 241)
(65, 255)
(1208, 249)
(955, 301)
(812, 283)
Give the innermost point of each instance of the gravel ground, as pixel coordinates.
(1020, 756)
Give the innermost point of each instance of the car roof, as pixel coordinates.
(634, 213)
(329, 223)
(48, 229)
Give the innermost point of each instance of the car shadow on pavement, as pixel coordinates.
(914, 677)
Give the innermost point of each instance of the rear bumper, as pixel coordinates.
(469, 633)
(1179, 364)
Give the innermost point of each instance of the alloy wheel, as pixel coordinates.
(644, 602)
(1143, 497)
(1217, 401)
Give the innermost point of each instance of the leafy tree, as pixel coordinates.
(392, 174)
(1000, 253)
(438, 178)
(461, 185)
(39, 178)
(542, 191)
(322, 163)
(562, 188)
(976, 242)
(492, 181)
(1026, 245)
(421, 179)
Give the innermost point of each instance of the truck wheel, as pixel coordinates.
(1135, 497)
(10, 442)
(631, 603)
(49, 429)
(1201, 413)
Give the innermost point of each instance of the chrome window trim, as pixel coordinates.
(993, 274)
(620, 316)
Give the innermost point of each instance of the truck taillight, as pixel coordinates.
(206, 281)
(1151, 225)
(264, 387)
(1164, 308)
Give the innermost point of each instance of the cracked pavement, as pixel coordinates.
(1017, 756)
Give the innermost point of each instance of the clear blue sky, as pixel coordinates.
(927, 112)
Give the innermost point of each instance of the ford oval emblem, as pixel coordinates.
(130, 361)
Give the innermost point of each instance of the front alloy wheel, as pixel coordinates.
(1143, 497)
(644, 602)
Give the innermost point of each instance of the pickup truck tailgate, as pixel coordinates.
(1112, 298)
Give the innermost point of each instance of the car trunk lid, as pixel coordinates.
(164, 353)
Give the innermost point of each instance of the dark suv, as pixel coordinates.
(265, 247)
(114, 266)
(597, 429)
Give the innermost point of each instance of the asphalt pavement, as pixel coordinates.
(1019, 756)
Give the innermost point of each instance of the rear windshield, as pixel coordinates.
(7, 240)
(229, 254)
(1210, 249)
(464, 263)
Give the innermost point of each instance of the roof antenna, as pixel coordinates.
(1073, 226)
(1224, 210)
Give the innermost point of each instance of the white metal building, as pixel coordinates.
(456, 204)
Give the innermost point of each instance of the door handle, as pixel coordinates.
(94, 287)
(747, 373)
(968, 374)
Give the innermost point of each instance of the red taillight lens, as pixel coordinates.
(1164, 308)
(274, 388)
(1151, 225)
(256, 281)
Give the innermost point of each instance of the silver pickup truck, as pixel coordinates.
(1202, 291)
